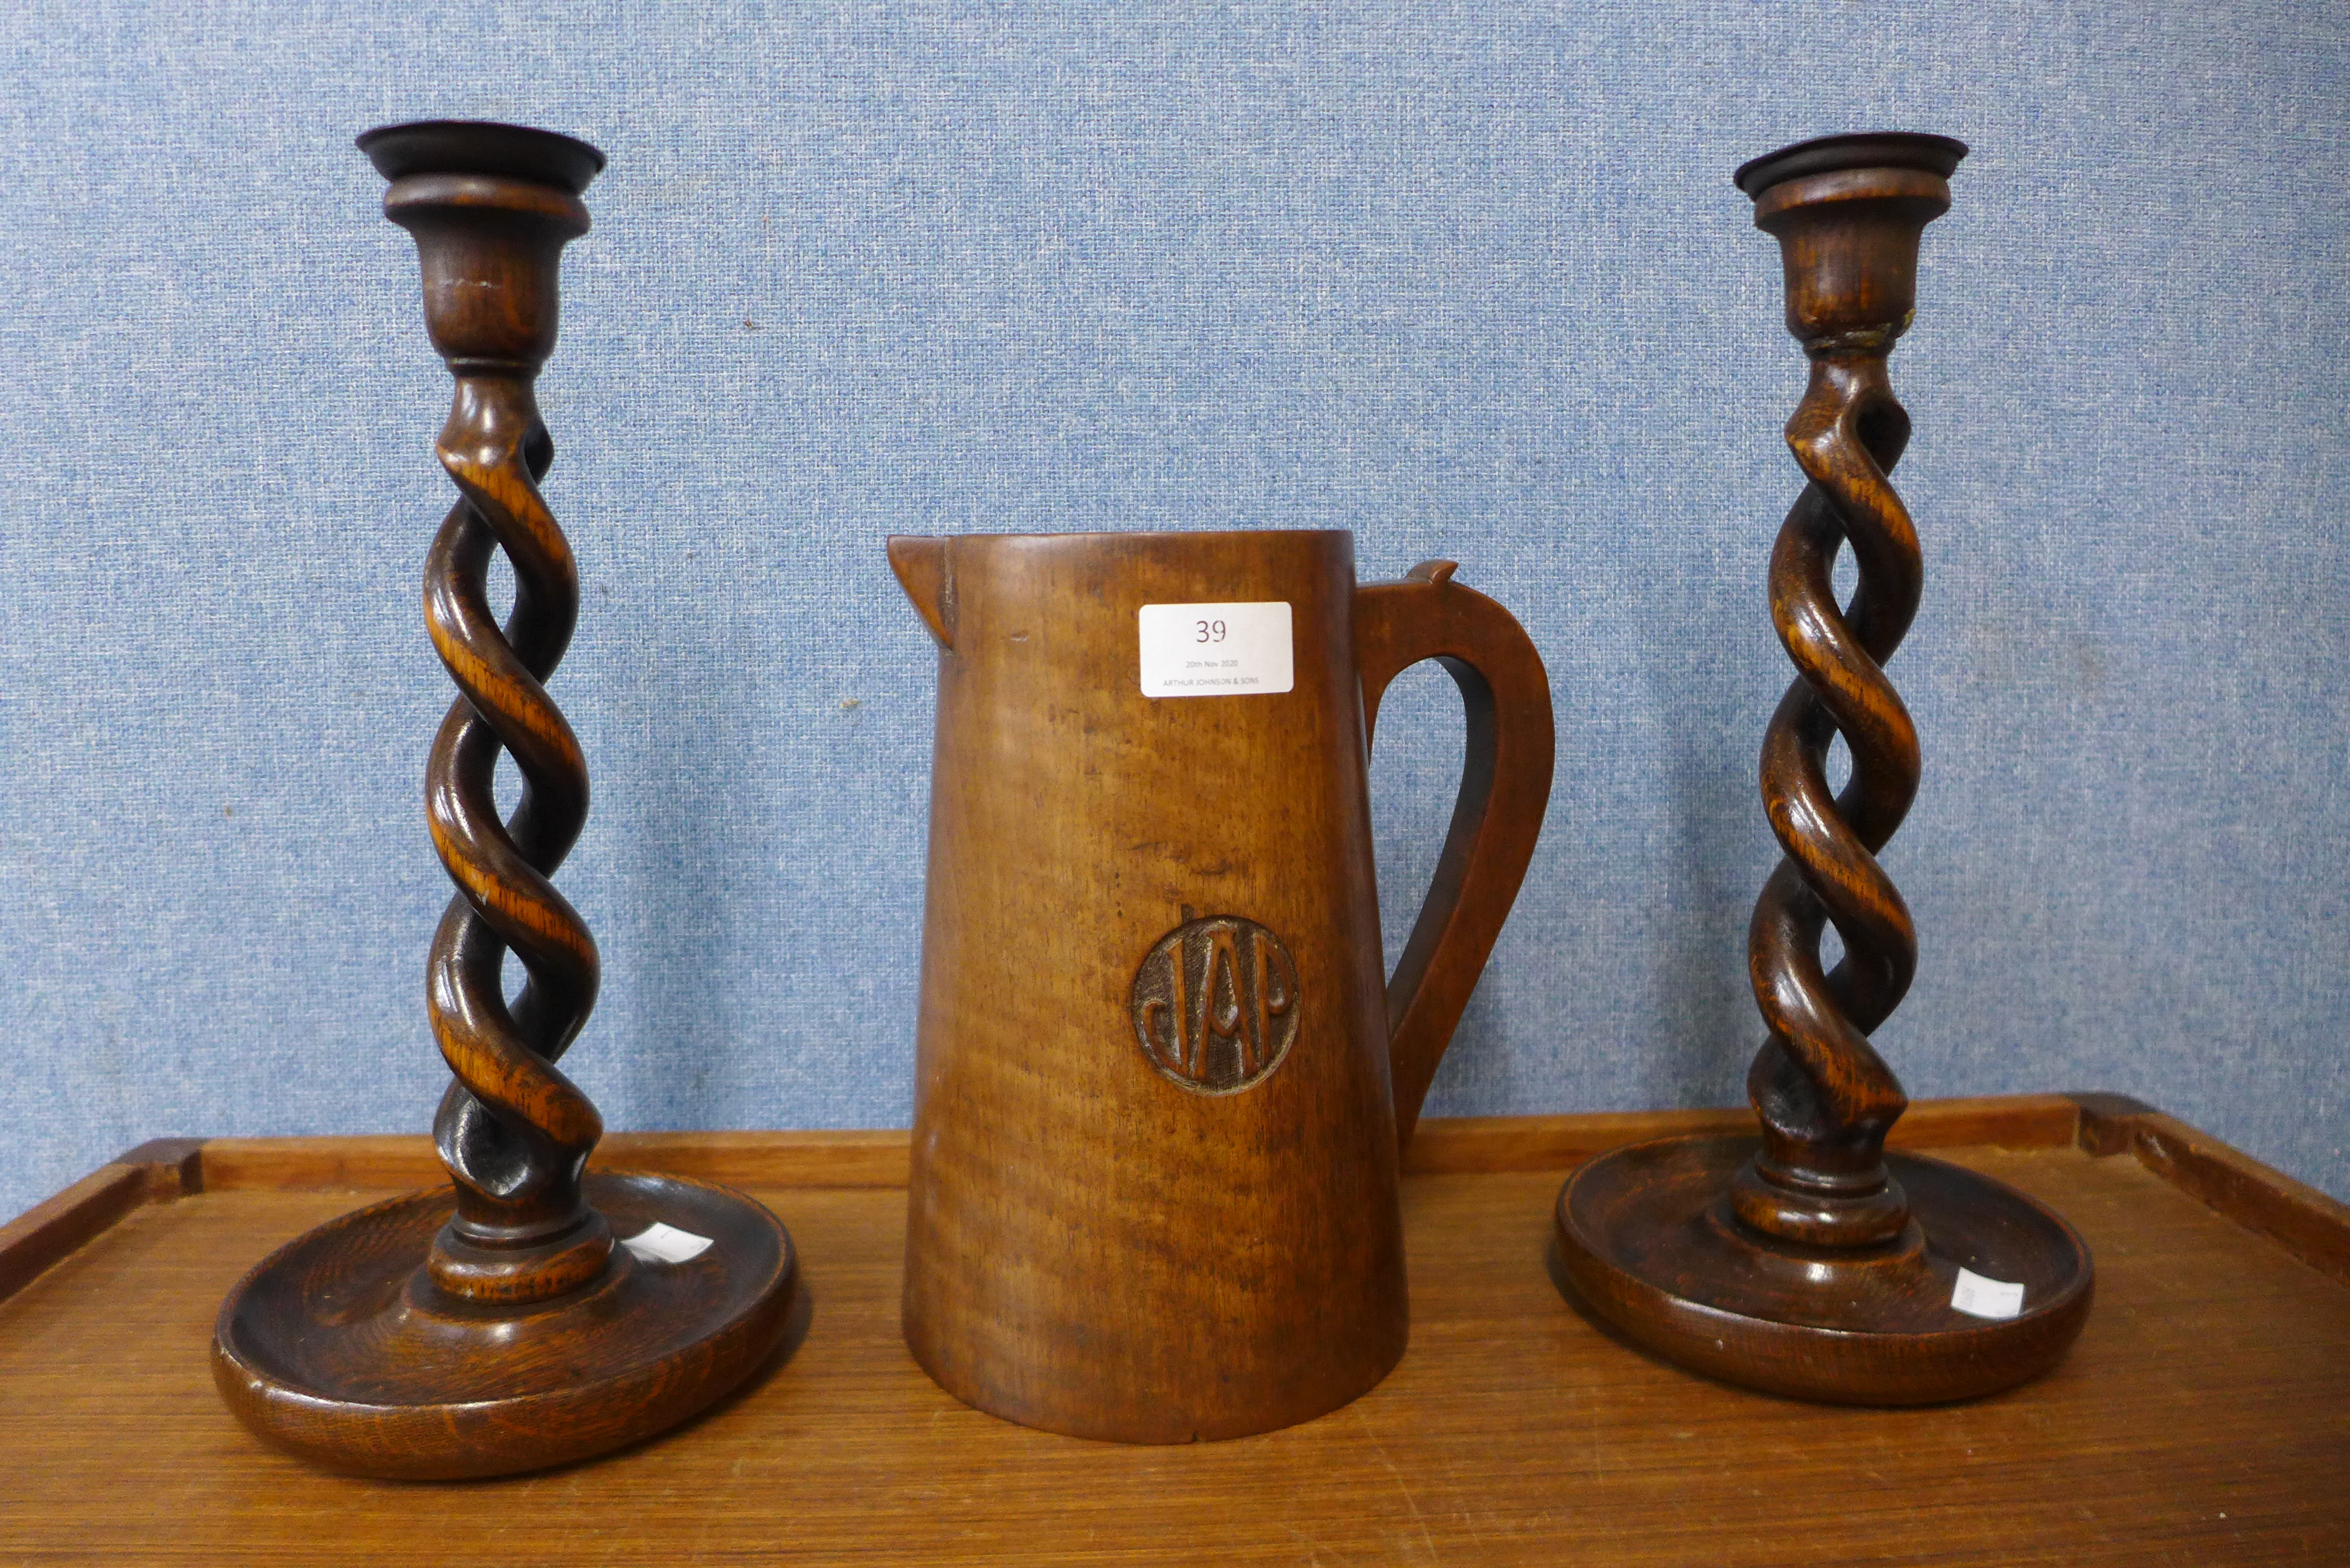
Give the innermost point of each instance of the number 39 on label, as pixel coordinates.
(1216, 650)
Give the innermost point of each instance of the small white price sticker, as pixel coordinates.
(659, 1243)
(1216, 650)
(1979, 1297)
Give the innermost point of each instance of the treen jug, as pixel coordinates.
(1161, 1083)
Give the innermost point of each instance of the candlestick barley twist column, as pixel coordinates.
(513, 1130)
(1815, 1264)
(408, 1340)
(1825, 1097)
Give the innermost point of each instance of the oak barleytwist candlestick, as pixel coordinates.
(1815, 1264)
(405, 1340)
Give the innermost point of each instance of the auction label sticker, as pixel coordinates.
(1979, 1297)
(1216, 650)
(660, 1243)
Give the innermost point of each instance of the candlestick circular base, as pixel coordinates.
(339, 1348)
(1646, 1241)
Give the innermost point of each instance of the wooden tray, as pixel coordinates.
(2204, 1418)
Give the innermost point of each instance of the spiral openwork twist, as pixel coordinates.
(1825, 1097)
(514, 1130)
(491, 208)
(1848, 213)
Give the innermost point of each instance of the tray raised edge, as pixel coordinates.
(2303, 1221)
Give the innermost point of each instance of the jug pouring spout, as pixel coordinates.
(925, 569)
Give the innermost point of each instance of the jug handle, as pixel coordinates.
(1504, 790)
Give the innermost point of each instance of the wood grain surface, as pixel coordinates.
(2203, 1419)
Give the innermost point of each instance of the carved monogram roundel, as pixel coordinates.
(1215, 1004)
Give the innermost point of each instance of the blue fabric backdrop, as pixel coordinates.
(1471, 281)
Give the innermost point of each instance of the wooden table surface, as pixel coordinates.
(2204, 1418)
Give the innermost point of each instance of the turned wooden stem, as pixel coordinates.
(1848, 213)
(491, 208)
